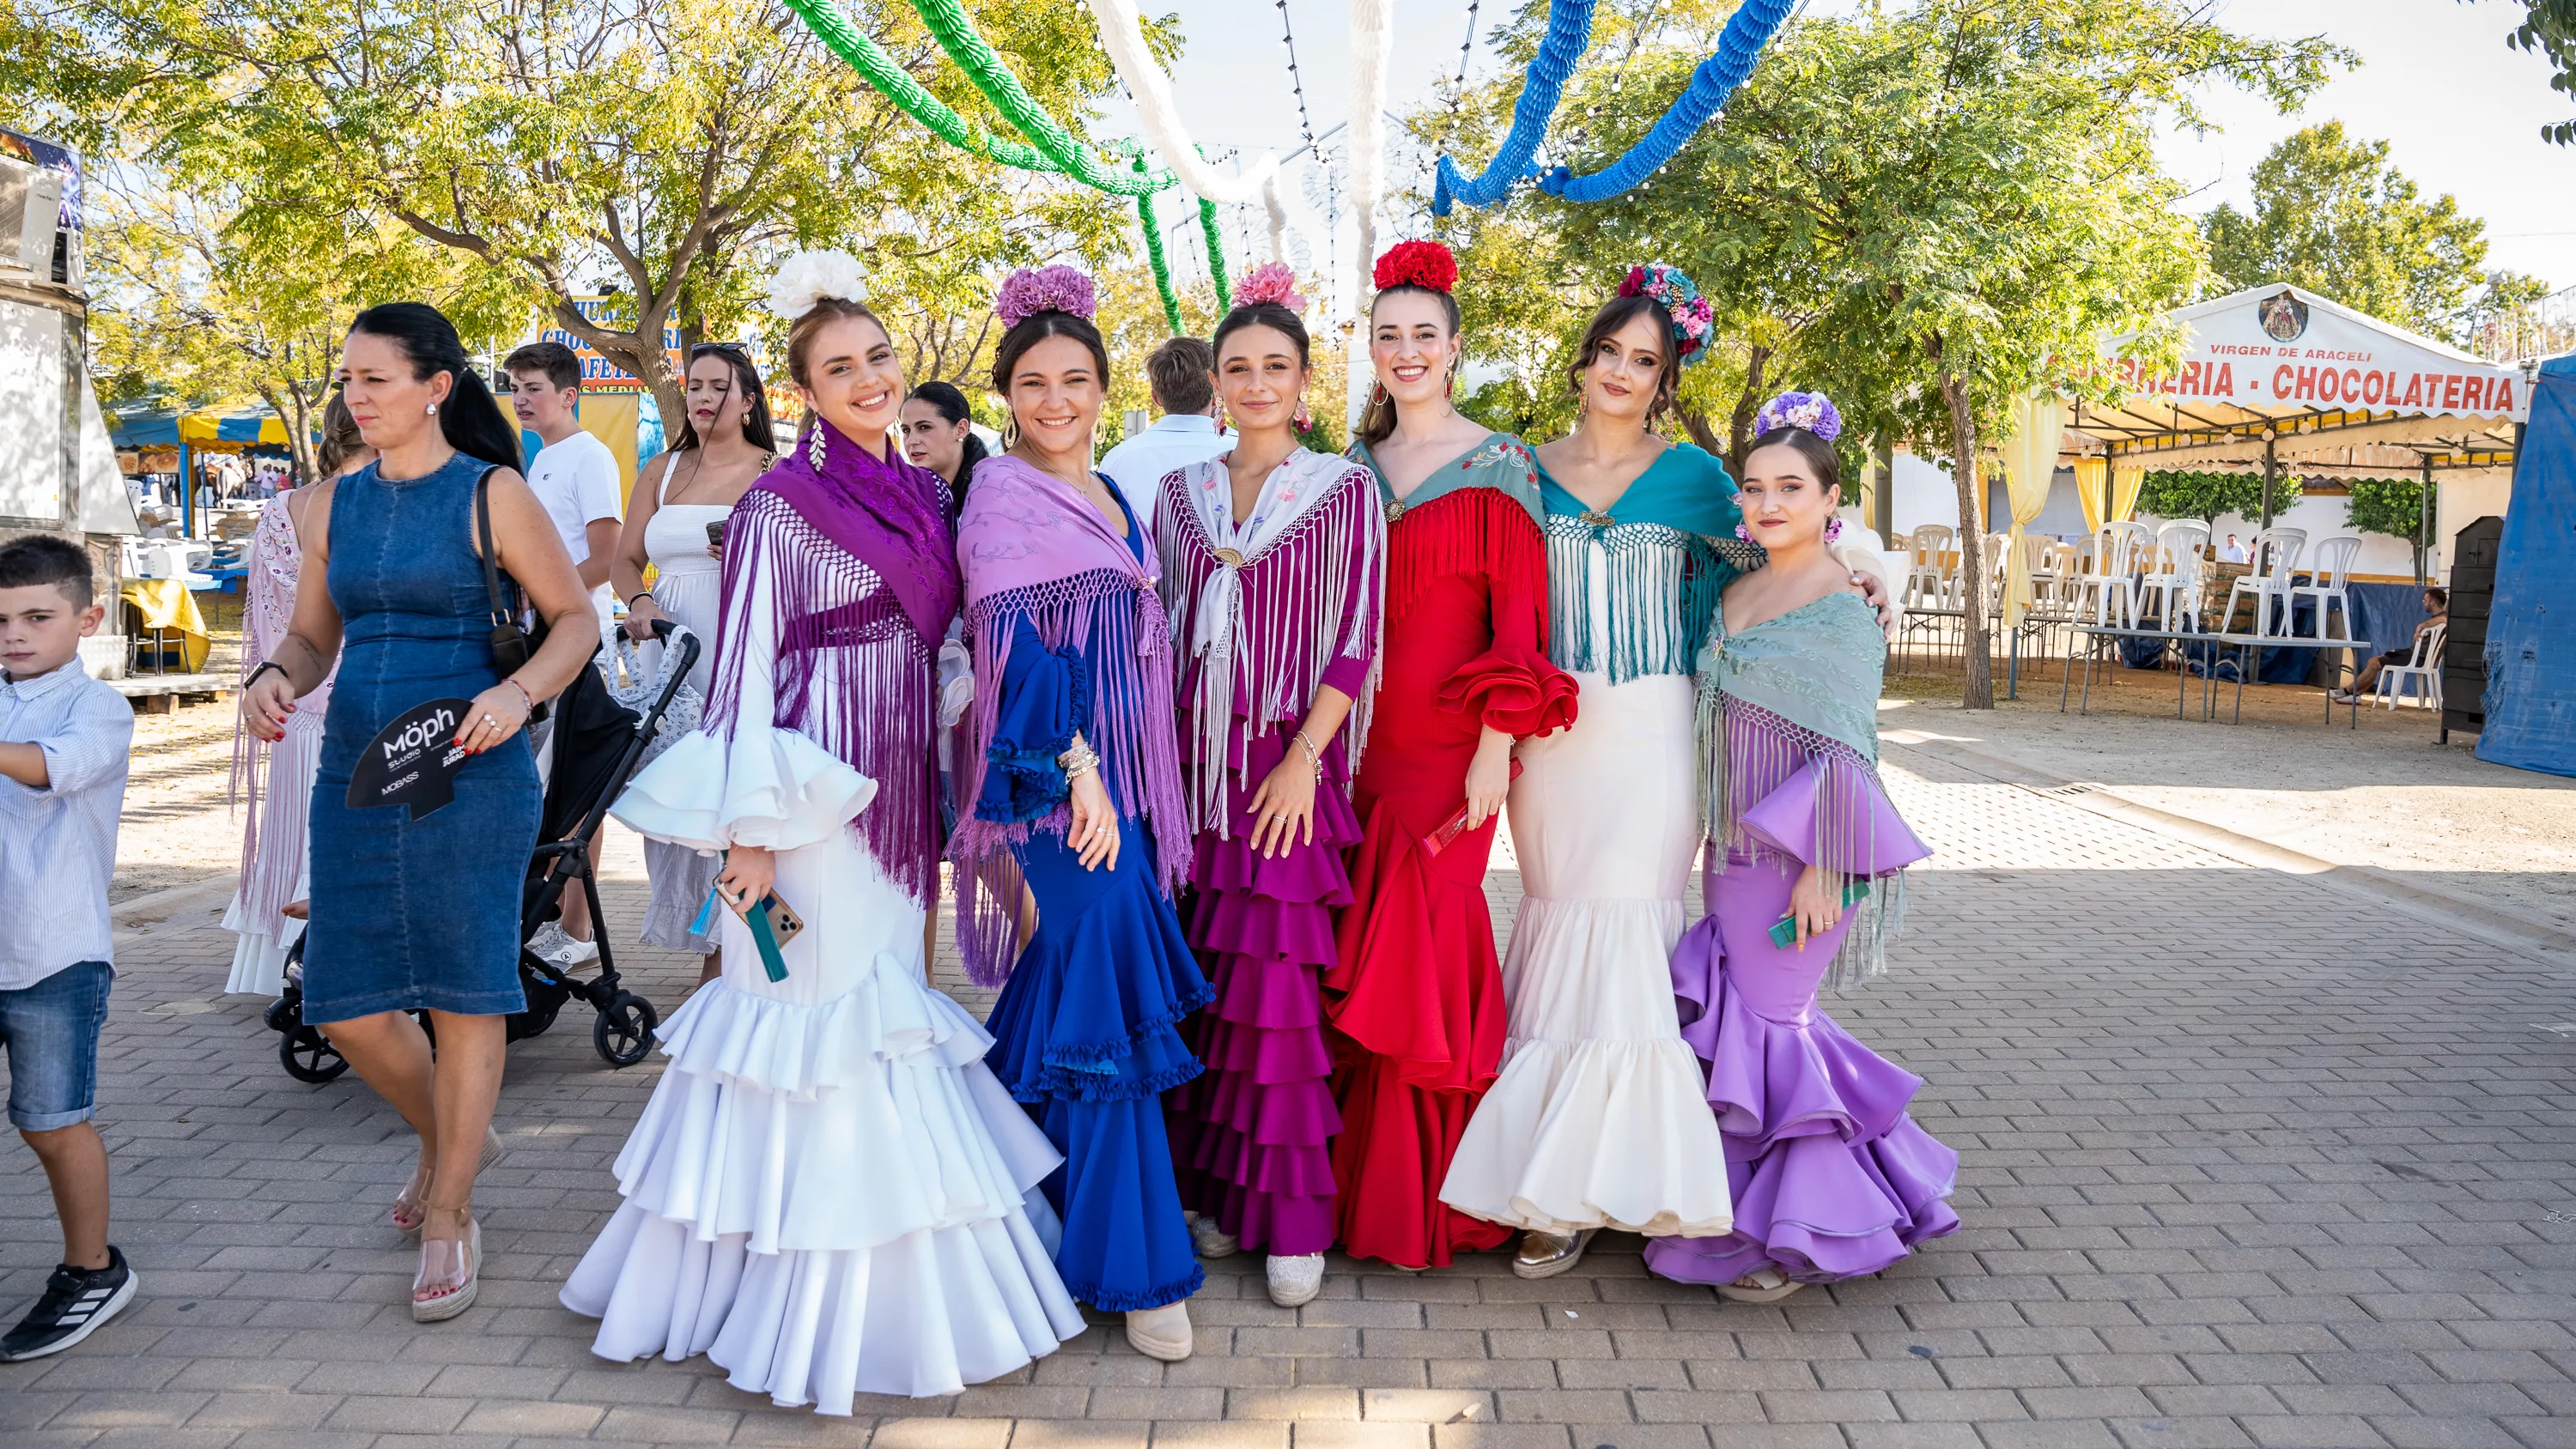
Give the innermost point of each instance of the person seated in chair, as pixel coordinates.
(2437, 611)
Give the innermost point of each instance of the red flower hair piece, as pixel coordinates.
(1417, 264)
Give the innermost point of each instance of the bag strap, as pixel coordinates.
(501, 613)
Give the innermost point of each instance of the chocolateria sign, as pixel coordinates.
(2280, 350)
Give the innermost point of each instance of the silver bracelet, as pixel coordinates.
(1313, 756)
(1078, 761)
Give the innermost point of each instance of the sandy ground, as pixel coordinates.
(2383, 795)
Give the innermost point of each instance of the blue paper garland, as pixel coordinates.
(1569, 27)
(1738, 47)
(1569, 30)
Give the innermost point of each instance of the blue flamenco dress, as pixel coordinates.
(1086, 1033)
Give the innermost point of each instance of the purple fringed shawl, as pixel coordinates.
(861, 585)
(1034, 549)
(1267, 611)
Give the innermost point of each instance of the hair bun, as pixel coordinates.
(1417, 264)
(1274, 282)
(1032, 290)
(1811, 411)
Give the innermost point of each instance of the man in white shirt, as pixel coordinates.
(2233, 553)
(1183, 375)
(575, 477)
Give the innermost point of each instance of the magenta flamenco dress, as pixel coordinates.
(1268, 610)
(1831, 1177)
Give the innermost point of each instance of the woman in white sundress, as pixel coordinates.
(725, 443)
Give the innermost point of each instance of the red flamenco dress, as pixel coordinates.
(1416, 999)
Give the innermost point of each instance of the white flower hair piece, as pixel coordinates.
(805, 279)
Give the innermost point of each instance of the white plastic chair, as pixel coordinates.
(1995, 544)
(2422, 667)
(2327, 577)
(2109, 587)
(2275, 554)
(1927, 583)
(2173, 577)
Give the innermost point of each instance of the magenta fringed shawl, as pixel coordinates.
(1263, 609)
(1035, 551)
(862, 582)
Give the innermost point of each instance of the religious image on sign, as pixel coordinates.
(412, 761)
(2285, 317)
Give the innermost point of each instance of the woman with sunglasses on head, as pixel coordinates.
(1272, 567)
(678, 509)
(1417, 993)
(1804, 879)
(828, 1193)
(1598, 1118)
(1071, 782)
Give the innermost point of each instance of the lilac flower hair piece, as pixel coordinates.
(1812, 411)
(1693, 318)
(1032, 290)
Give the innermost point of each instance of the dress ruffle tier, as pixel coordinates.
(828, 1192)
(1253, 1136)
(1088, 1032)
(1831, 1177)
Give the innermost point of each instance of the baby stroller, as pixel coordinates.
(598, 746)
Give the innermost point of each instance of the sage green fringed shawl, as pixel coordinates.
(1797, 689)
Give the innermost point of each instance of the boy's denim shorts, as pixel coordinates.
(51, 1030)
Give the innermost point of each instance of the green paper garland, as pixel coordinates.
(1154, 254)
(1215, 253)
(957, 36)
(880, 70)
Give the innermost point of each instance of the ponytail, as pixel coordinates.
(470, 420)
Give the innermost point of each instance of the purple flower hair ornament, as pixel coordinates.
(1693, 319)
(1032, 290)
(1811, 411)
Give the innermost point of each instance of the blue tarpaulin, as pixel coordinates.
(2531, 633)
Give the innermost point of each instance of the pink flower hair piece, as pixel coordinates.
(1693, 318)
(1032, 290)
(1271, 282)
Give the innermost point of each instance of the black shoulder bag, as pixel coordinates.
(511, 645)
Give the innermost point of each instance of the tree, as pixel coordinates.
(2210, 496)
(659, 151)
(2393, 506)
(2333, 216)
(2548, 30)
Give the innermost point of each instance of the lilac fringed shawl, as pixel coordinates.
(1307, 577)
(1035, 550)
(863, 582)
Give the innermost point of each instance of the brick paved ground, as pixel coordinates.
(2241, 1166)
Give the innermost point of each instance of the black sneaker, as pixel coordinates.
(76, 1302)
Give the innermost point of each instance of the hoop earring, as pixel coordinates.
(1377, 394)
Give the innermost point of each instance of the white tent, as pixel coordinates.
(2275, 378)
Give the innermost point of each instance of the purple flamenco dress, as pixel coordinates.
(1830, 1175)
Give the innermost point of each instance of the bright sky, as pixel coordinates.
(2461, 112)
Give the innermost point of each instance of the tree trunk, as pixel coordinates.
(1980, 691)
(639, 352)
(1739, 430)
(1695, 423)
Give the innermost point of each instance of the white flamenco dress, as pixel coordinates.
(829, 1193)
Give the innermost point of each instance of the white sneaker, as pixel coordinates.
(1161, 1333)
(1294, 1282)
(1212, 1241)
(555, 946)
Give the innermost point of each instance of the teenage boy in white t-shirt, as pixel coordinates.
(575, 477)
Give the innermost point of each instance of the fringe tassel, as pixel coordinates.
(1128, 648)
(850, 673)
(1481, 531)
(1305, 600)
(1661, 585)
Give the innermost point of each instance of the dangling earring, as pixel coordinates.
(1302, 420)
(814, 444)
(1377, 394)
(1451, 388)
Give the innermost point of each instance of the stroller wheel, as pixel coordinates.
(624, 1031)
(308, 1057)
(286, 1013)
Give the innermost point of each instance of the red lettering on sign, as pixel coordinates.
(2328, 386)
(2451, 389)
(2226, 384)
(2414, 390)
(2307, 384)
(2351, 388)
(2190, 378)
(2374, 386)
(2281, 380)
(2504, 396)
